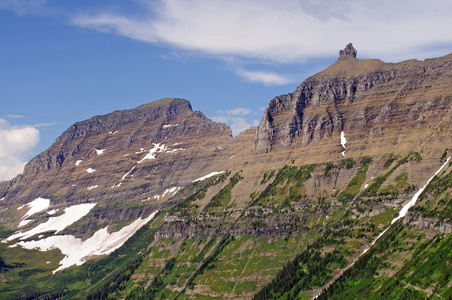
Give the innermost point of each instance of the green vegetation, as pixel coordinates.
(287, 187)
(223, 197)
(267, 176)
(329, 166)
(349, 163)
(353, 187)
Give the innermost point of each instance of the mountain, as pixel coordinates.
(342, 191)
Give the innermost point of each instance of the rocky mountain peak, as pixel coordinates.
(349, 51)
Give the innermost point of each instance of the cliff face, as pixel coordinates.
(362, 98)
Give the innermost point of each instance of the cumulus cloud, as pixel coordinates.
(236, 118)
(286, 31)
(16, 144)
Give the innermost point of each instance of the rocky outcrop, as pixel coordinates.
(361, 97)
(348, 52)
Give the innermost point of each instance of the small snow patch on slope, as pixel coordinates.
(343, 141)
(78, 162)
(78, 251)
(92, 187)
(99, 152)
(208, 176)
(90, 170)
(172, 191)
(71, 215)
(152, 152)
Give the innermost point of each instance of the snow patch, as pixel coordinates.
(78, 251)
(141, 151)
(410, 204)
(90, 170)
(78, 162)
(113, 132)
(231, 156)
(366, 185)
(173, 191)
(99, 152)
(125, 175)
(170, 125)
(174, 150)
(2, 199)
(35, 206)
(92, 187)
(343, 141)
(126, 155)
(208, 176)
(52, 212)
(152, 152)
(71, 215)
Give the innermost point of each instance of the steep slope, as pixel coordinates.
(282, 211)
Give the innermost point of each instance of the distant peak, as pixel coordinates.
(348, 51)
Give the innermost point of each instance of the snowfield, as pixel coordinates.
(71, 215)
(208, 176)
(35, 206)
(78, 251)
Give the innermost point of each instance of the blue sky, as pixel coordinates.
(65, 61)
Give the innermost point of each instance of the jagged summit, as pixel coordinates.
(348, 52)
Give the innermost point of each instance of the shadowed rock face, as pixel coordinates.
(363, 97)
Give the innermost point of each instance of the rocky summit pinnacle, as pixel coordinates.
(348, 51)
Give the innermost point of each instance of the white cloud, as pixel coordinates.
(267, 78)
(16, 144)
(289, 31)
(236, 119)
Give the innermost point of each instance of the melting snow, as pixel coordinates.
(71, 215)
(126, 155)
(410, 204)
(2, 199)
(172, 191)
(208, 175)
(170, 125)
(35, 206)
(78, 251)
(141, 151)
(152, 152)
(51, 212)
(174, 150)
(366, 185)
(99, 152)
(231, 156)
(90, 170)
(113, 132)
(78, 162)
(92, 187)
(343, 141)
(125, 175)
(116, 185)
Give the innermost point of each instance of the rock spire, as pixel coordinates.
(348, 51)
